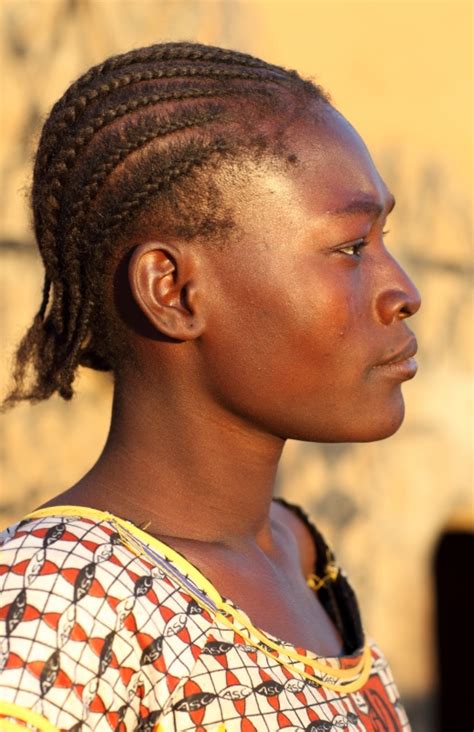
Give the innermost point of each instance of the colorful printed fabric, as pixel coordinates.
(103, 627)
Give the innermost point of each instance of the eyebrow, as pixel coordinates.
(364, 205)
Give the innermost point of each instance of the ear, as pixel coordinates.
(163, 280)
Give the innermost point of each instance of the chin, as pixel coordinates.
(381, 425)
(380, 433)
(364, 425)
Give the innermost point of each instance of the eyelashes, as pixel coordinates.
(355, 248)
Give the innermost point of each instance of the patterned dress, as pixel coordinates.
(103, 627)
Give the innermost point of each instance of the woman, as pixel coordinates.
(212, 233)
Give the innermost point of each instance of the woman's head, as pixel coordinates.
(130, 150)
(200, 215)
(307, 304)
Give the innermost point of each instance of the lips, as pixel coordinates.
(400, 365)
(405, 353)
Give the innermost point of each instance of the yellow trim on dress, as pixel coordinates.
(6, 725)
(8, 709)
(129, 531)
(186, 567)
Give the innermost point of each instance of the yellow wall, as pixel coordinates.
(402, 73)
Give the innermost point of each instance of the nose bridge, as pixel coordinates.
(397, 297)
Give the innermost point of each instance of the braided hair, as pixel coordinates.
(119, 151)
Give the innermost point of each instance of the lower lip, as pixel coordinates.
(401, 370)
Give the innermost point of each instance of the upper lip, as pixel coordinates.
(407, 351)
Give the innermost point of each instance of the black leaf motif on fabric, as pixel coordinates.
(115, 538)
(193, 608)
(16, 611)
(53, 534)
(148, 723)
(153, 651)
(49, 673)
(143, 585)
(269, 688)
(121, 716)
(314, 684)
(84, 581)
(193, 702)
(352, 718)
(217, 648)
(321, 725)
(106, 652)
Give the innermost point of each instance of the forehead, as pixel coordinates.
(324, 171)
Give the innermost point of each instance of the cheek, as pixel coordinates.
(327, 325)
(296, 365)
(287, 338)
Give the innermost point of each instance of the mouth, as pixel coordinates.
(401, 364)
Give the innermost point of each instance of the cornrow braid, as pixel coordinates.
(126, 144)
(164, 52)
(65, 159)
(71, 113)
(152, 186)
(173, 52)
(46, 219)
(141, 136)
(137, 138)
(125, 208)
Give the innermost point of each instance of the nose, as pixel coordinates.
(398, 298)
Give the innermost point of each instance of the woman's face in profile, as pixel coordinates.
(307, 302)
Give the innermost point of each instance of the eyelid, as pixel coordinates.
(357, 244)
(350, 243)
(363, 241)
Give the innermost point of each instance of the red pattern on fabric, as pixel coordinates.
(137, 649)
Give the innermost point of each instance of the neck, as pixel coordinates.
(184, 466)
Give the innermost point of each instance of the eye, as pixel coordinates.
(354, 249)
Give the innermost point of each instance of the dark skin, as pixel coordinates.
(281, 334)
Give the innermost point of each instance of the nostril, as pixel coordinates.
(406, 311)
(397, 304)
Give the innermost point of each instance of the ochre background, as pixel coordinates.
(402, 74)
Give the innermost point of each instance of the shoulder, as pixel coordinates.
(85, 563)
(88, 626)
(60, 558)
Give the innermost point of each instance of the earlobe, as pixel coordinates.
(163, 283)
